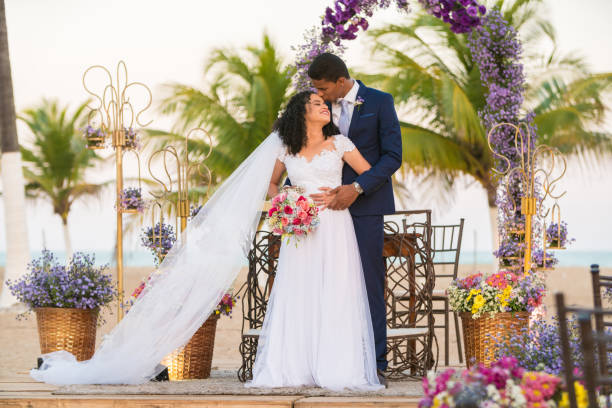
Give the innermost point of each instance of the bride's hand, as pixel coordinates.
(323, 199)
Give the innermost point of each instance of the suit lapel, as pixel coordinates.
(360, 93)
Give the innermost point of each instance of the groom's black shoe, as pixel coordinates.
(381, 377)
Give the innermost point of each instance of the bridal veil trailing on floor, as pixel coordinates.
(191, 280)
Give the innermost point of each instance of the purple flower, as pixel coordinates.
(80, 284)
(159, 240)
(131, 199)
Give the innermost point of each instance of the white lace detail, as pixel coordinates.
(343, 144)
(323, 170)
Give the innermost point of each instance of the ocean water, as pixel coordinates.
(566, 257)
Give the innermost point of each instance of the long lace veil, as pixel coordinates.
(192, 279)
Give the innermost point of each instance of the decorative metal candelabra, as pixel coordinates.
(113, 119)
(183, 174)
(528, 175)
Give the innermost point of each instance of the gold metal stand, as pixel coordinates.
(113, 113)
(528, 175)
(183, 172)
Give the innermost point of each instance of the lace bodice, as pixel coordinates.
(324, 170)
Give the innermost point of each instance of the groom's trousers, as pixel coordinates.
(369, 232)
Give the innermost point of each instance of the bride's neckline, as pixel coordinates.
(319, 153)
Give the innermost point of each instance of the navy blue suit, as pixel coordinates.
(375, 131)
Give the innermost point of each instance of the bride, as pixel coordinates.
(317, 330)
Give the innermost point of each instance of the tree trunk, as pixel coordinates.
(67, 244)
(17, 251)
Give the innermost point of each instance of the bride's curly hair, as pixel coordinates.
(291, 126)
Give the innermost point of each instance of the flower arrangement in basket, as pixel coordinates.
(556, 235)
(292, 214)
(67, 300)
(95, 137)
(542, 262)
(130, 200)
(194, 360)
(510, 253)
(159, 240)
(504, 384)
(493, 308)
(131, 138)
(504, 291)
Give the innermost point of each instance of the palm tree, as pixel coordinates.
(17, 251)
(238, 108)
(434, 78)
(58, 159)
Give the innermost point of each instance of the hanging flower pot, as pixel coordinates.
(131, 201)
(95, 137)
(131, 138)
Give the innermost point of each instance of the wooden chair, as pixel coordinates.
(595, 348)
(263, 260)
(445, 249)
(409, 285)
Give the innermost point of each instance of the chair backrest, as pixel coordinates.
(595, 365)
(263, 260)
(446, 247)
(409, 272)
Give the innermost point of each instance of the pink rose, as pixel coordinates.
(282, 197)
(297, 221)
(276, 200)
(301, 198)
(288, 210)
(285, 221)
(303, 205)
(298, 232)
(302, 215)
(307, 220)
(278, 231)
(272, 211)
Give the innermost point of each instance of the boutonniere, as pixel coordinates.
(358, 102)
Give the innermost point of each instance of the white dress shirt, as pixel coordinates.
(350, 97)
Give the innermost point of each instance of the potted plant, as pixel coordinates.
(543, 260)
(67, 300)
(159, 240)
(556, 235)
(131, 201)
(493, 308)
(95, 137)
(193, 360)
(510, 253)
(131, 139)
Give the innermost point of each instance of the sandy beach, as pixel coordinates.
(19, 345)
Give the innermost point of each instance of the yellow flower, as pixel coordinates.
(437, 402)
(472, 293)
(581, 397)
(479, 302)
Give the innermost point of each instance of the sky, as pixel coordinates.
(52, 43)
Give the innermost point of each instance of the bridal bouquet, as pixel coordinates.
(292, 214)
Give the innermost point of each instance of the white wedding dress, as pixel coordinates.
(317, 330)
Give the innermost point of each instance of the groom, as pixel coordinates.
(367, 117)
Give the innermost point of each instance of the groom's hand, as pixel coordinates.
(345, 196)
(322, 200)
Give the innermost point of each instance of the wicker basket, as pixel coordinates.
(73, 330)
(482, 336)
(194, 360)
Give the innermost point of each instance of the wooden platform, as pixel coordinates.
(33, 395)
